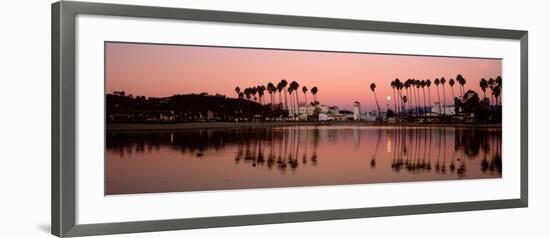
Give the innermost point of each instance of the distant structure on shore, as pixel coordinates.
(333, 113)
(438, 109)
(356, 110)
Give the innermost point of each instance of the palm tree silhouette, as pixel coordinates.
(393, 86)
(496, 93)
(247, 93)
(462, 81)
(254, 91)
(399, 87)
(419, 104)
(436, 82)
(423, 85)
(407, 85)
(284, 83)
(452, 83)
(237, 90)
(294, 85)
(442, 81)
(304, 90)
(412, 97)
(405, 99)
(373, 88)
(271, 89)
(314, 93)
(280, 88)
(290, 90)
(261, 91)
(409, 94)
(483, 84)
(491, 83)
(428, 84)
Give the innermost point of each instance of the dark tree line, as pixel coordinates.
(181, 108)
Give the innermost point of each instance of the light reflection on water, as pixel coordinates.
(213, 159)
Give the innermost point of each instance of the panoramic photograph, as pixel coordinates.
(183, 118)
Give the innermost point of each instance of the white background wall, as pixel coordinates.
(25, 118)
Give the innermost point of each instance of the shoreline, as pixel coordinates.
(132, 127)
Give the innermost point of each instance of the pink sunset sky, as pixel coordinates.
(155, 70)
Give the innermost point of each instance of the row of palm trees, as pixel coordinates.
(495, 85)
(412, 93)
(286, 91)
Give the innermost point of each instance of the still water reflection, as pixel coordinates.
(212, 159)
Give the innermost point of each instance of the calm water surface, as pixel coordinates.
(213, 159)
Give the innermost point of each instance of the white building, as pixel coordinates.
(443, 109)
(325, 117)
(334, 110)
(323, 108)
(356, 111)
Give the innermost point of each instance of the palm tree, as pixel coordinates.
(415, 95)
(404, 98)
(237, 90)
(254, 90)
(462, 81)
(418, 102)
(428, 84)
(411, 95)
(372, 88)
(423, 85)
(290, 90)
(314, 93)
(436, 82)
(294, 85)
(452, 83)
(315, 102)
(304, 90)
(399, 86)
(407, 85)
(280, 88)
(247, 93)
(483, 84)
(271, 89)
(284, 83)
(442, 81)
(496, 93)
(491, 83)
(261, 91)
(241, 96)
(393, 85)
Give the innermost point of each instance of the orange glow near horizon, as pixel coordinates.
(155, 70)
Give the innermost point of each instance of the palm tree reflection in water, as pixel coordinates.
(325, 153)
(467, 145)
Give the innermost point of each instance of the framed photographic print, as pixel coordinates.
(167, 118)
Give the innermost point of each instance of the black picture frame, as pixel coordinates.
(63, 199)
